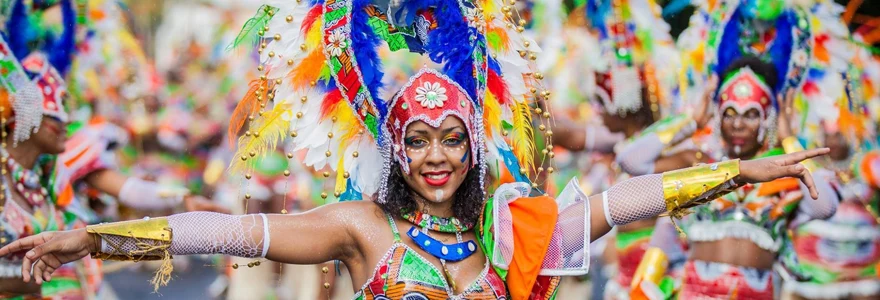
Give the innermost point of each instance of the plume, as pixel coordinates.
(522, 136)
(248, 106)
(268, 130)
(254, 25)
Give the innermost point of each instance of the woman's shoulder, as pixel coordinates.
(355, 212)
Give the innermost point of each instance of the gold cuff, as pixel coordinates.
(138, 240)
(694, 186)
(151, 237)
(666, 129)
(792, 145)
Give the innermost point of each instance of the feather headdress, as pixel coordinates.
(322, 84)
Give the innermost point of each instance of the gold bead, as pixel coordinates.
(303, 99)
(277, 37)
(539, 76)
(355, 154)
(247, 133)
(345, 175)
(263, 77)
(302, 47)
(546, 114)
(522, 53)
(326, 174)
(289, 155)
(549, 132)
(533, 90)
(257, 263)
(550, 170)
(336, 194)
(299, 114)
(286, 173)
(539, 110)
(290, 62)
(540, 169)
(534, 185)
(334, 119)
(260, 68)
(520, 29)
(257, 134)
(289, 18)
(271, 53)
(325, 270)
(284, 211)
(312, 83)
(262, 105)
(521, 21)
(550, 147)
(248, 176)
(527, 44)
(250, 118)
(292, 134)
(247, 196)
(265, 28)
(504, 132)
(505, 8)
(542, 127)
(277, 81)
(523, 171)
(235, 266)
(544, 151)
(327, 153)
(243, 158)
(551, 154)
(327, 285)
(250, 265)
(263, 45)
(533, 57)
(329, 135)
(323, 195)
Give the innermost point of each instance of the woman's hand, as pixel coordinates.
(199, 203)
(703, 112)
(772, 168)
(784, 129)
(50, 250)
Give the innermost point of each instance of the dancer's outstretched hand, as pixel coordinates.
(772, 168)
(47, 251)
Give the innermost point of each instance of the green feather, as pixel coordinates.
(252, 30)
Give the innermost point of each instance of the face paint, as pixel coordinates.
(737, 150)
(465, 156)
(438, 195)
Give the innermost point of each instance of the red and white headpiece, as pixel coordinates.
(50, 83)
(745, 90)
(430, 97)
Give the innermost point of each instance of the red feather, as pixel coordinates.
(332, 98)
(498, 87)
(248, 106)
(313, 14)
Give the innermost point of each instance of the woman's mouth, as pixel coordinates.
(436, 178)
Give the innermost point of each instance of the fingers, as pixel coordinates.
(798, 157)
(807, 179)
(44, 267)
(22, 244)
(36, 253)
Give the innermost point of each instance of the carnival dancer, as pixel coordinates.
(837, 258)
(457, 243)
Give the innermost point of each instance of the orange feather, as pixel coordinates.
(248, 106)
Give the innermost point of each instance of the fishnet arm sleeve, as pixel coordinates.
(634, 199)
(826, 205)
(203, 233)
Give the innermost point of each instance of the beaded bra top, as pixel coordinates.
(404, 273)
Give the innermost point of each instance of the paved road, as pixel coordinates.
(192, 284)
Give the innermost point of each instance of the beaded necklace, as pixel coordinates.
(27, 182)
(457, 251)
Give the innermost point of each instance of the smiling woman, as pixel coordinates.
(421, 158)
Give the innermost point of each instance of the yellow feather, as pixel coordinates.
(314, 36)
(491, 114)
(522, 137)
(272, 128)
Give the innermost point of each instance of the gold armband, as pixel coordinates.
(665, 132)
(792, 145)
(694, 186)
(137, 240)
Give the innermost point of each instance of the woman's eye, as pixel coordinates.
(454, 139)
(416, 142)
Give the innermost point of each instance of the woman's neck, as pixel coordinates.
(25, 154)
(441, 209)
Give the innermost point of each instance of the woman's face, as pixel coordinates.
(838, 145)
(740, 132)
(51, 137)
(439, 158)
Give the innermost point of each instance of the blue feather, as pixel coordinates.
(512, 165)
(596, 12)
(446, 45)
(364, 42)
(19, 30)
(61, 51)
(494, 66)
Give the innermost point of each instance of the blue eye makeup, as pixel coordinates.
(415, 141)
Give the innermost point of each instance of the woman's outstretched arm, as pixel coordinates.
(316, 236)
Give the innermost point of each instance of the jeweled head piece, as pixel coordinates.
(24, 93)
(745, 90)
(51, 86)
(430, 97)
(324, 80)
